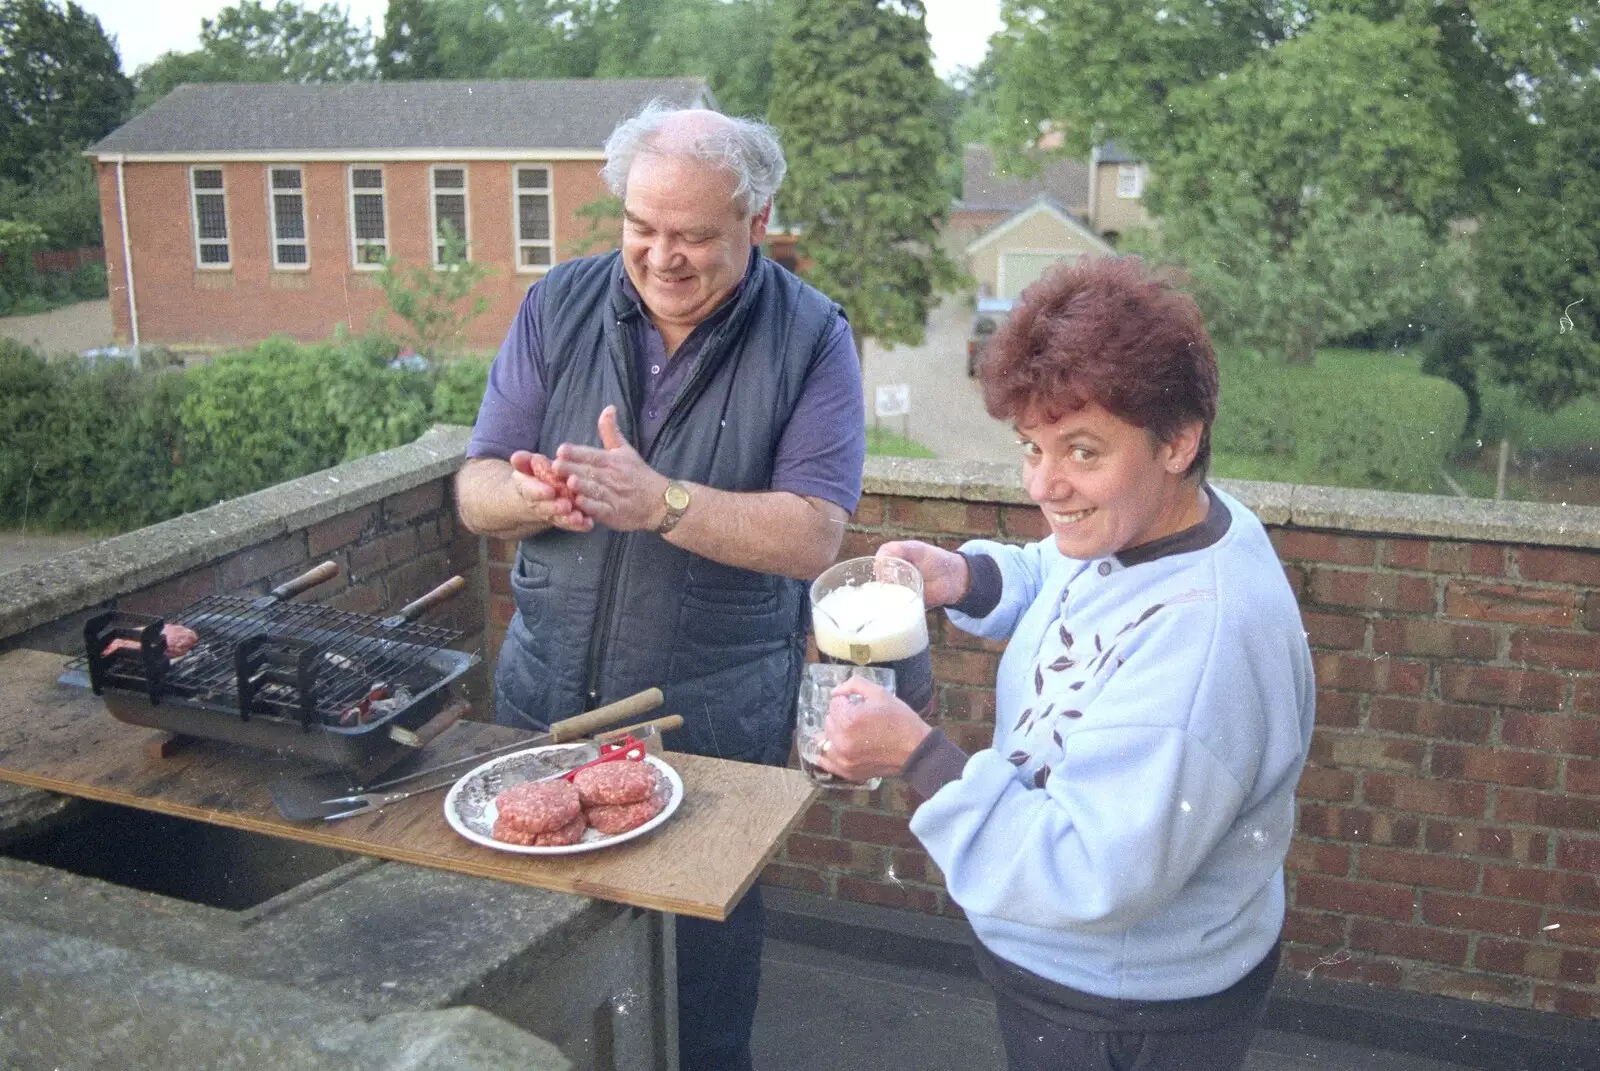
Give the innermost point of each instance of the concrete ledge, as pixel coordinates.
(1286, 505)
(1466, 1032)
(93, 574)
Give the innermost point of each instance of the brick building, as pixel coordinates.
(236, 212)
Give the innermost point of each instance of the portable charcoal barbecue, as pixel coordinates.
(334, 687)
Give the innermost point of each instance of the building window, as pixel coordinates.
(1130, 180)
(449, 207)
(210, 217)
(369, 237)
(288, 198)
(535, 244)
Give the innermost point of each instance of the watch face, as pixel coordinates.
(677, 496)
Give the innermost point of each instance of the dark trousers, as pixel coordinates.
(1048, 1027)
(1034, 1043)
(719, 976)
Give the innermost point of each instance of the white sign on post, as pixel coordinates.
(894, 400)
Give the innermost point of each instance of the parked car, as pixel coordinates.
(990, 314)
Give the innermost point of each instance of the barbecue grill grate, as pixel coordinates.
(276, 653)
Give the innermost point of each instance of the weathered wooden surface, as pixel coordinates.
(700, 862)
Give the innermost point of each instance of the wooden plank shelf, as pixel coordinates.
(699, 862)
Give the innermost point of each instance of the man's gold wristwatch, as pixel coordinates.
(677, 499)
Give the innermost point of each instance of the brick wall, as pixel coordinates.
(180, 304)
(1449, 827)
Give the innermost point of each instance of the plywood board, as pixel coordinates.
(700, 862)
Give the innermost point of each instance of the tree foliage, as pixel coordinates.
(251, 42)
(61, 84)
(409, 48)
(1306, 156)
(854, 97)
(1304, 192)
(1538, 258)
(436, 303)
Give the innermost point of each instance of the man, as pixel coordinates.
(702, 408)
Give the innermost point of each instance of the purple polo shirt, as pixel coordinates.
(823, 444)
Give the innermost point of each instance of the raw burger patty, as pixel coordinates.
(614, 782)
(512, 835)
(622, 817)
(571, 833)
(538, 807)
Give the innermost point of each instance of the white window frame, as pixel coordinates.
(273, 241)
(350, 201)
(226, 241)
(434, 191)
(518, 243)
(1130, 181)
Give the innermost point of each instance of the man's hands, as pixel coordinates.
(547, 499)
(612, 484)
(945, 575)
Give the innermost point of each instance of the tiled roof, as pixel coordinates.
(573, 114)
(1113, 152)
(1065, 181)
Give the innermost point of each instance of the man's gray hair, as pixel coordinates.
(747, 149)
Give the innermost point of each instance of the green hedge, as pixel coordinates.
(109, 448)
(1352, 419)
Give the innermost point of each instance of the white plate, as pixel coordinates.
(469, 806)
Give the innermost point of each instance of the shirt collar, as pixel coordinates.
(1195, 537)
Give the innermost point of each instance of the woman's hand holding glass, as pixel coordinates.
(869, 732)
(945, 574)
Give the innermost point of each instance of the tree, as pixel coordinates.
(61, 84)
(251, 42)
(434, 301)
(1538, 258)
(410, 45)
(62, 199)
(1304, 191)
(854, 97)
(728, 43)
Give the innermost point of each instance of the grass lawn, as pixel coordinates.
(1353, 418)
(890, 444)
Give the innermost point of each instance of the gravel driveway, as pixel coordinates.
(947, 414)
(69, 329)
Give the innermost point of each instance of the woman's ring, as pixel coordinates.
(822, 748)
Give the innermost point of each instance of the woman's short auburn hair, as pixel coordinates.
(1110, 332)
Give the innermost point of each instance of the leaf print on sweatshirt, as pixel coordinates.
(1041, 776)
(1062, 663)
(1066, 638)
(1019, 758)
(1038, 680)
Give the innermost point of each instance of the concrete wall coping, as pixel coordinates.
(91, 575)
(1356, 512)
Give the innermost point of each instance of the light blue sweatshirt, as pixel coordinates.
(1125, 834)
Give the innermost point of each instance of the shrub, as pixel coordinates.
(84, 448)
(89, 282)
(280, 410)
(1353, 419)
(457, 391)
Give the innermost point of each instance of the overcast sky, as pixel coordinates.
(143, 29)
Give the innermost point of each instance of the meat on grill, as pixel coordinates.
(623, 817)
(538, 806)
(613, 783)
(180, 640)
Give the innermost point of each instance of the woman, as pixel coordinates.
(1119, 848)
